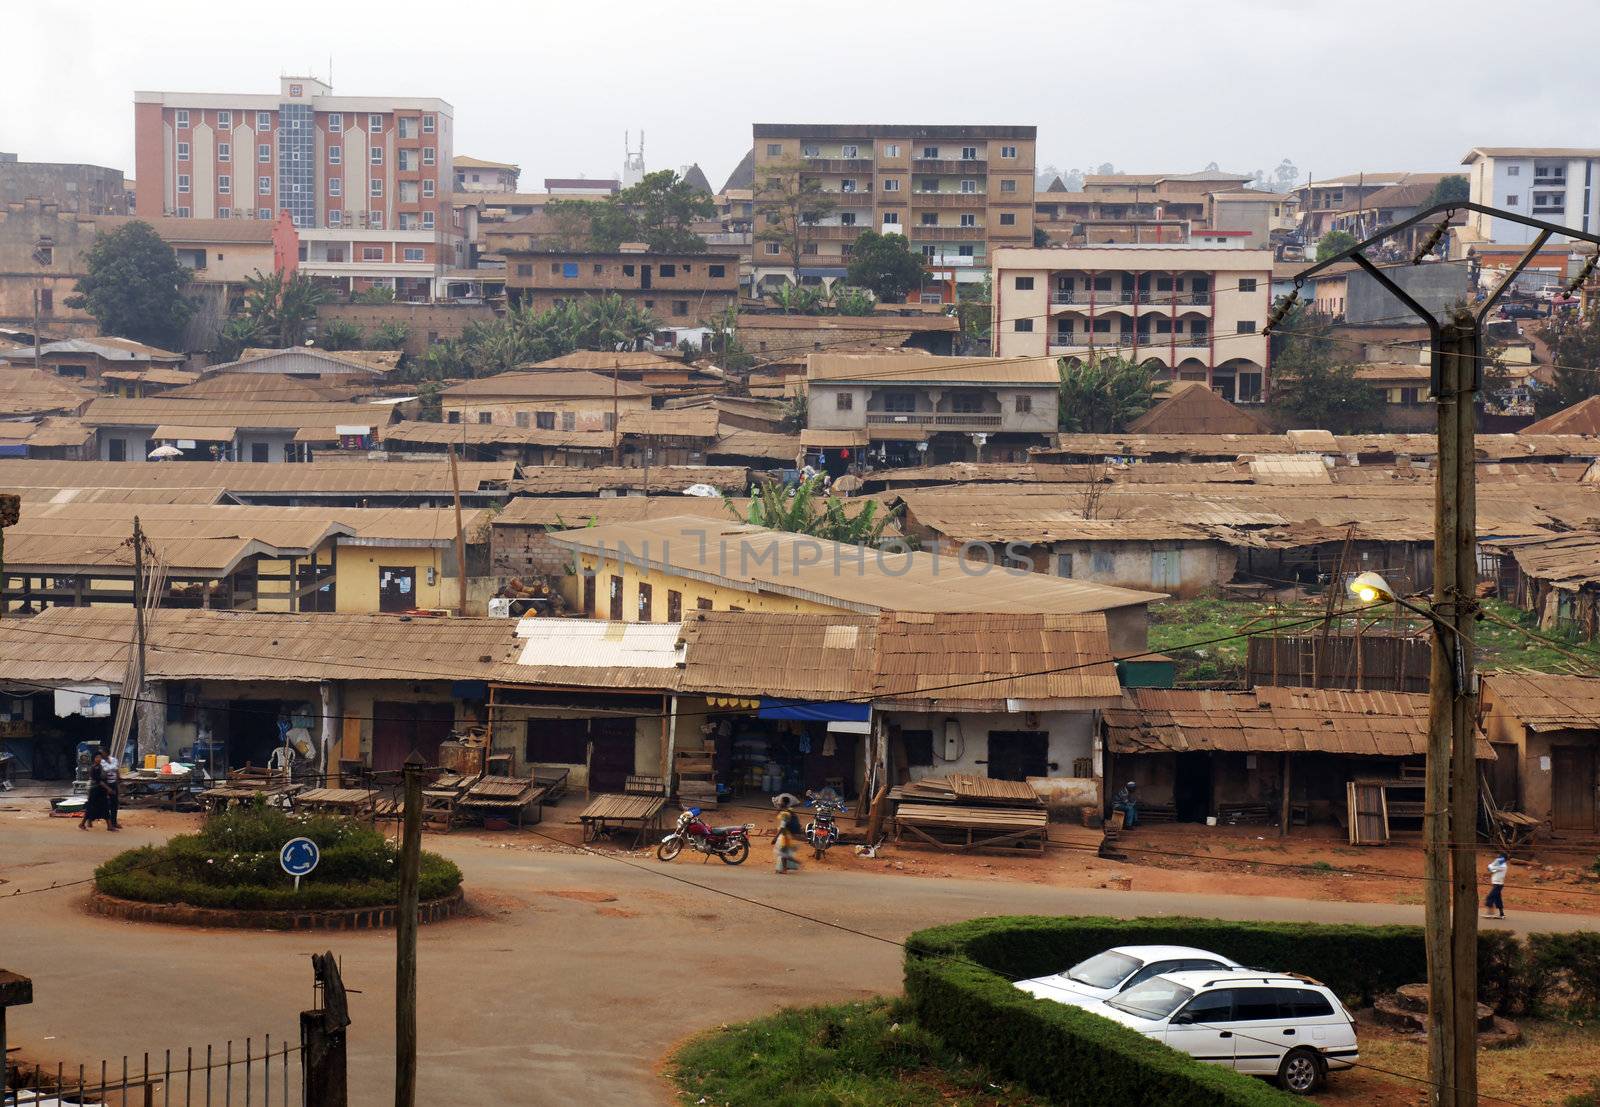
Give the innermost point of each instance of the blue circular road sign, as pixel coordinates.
(299, 856)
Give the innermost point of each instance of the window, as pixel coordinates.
(1259, 1004)
(183, 151)
(930, 151)
(184, 213)
(183, 182)
(427, 220)
(772, 247)
(263, 213)
(1247, 284)
(847, 184)
(900, 401)
(669, 270)
(1511, 200)
(296, 91)
(1008, 219)
(117, 449)
(524, 270)
(775, 149)
(372, 253)
(891, 185)
(1008, 151)
(557, 741)
(375, 123)
(1023, 326)
(263, 121)
(264, 152)
(1008, 185)
(545, 420)
(849, 152)
(224, 151)
(930, 219)
(1024, 284)
(680, 307)
(375, 155)
(224, 120)
(968, 219)
(969, 153)
(375, 220)
(429, 125)
(224, 184)
(719, 271)
(335, 121)
(1513, 170)
(966, 403)
(703, 604)
(1247, 326)
(259, 452)
(427, 188)
(224, 213)
(844, 401)
(891, 218)
(891, 150)
(183, 120)
(335, 155)
(407, 127)
(1103, 561)
(968, 185)
(427, 155)
(847, 219)
(485, 417)
(413, 253)
(964, 251)
(335, 186)
(1025, 406)
(375, 187)
(569, 420)
(1303, 1003)
(264, 187)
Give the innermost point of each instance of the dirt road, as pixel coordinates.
(574, 975)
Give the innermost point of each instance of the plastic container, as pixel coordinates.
(1211, 820)
(150, 761)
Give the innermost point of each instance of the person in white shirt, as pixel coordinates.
(1497, 883)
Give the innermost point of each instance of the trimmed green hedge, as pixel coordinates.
(232, 863)
(958, 981)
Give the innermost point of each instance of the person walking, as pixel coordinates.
(98, 804)
(1497, 885)
(113, 778)
(786, 841)
(1127, 801)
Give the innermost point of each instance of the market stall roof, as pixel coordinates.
(591, 652)
(568, 479)
(176, 431)
(1545, 701)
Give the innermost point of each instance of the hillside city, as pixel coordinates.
(885, 620)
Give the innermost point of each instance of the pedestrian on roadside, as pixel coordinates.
(98, 805)
(1127, 801)
(113, 777)
(1497, 885)
(786, 841)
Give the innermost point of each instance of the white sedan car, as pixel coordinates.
(1105, 974)
(1264, 1024)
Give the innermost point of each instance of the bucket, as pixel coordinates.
(1211, 820)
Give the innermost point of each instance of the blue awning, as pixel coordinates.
(814, 711)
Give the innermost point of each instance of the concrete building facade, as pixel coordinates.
(1557, 184)
(83, 189)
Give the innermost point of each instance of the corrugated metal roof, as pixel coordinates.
(593, 652)
(349, 477)
(218, 413)
(788, 656)
(914, 368)
(491, 434)
(26, 391)
(1193, 408)
(765, 445)
(698, 422)
(551, 385)
(1545, 701)
(558, 479)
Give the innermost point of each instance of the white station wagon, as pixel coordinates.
(1264, 1024)
(1105, 974)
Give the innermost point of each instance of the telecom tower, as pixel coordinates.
(632, 160)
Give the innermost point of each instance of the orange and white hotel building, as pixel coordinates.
(1195, 309)
(366, 179)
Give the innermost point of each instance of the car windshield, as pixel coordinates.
(1104, 970)
(1156, 998)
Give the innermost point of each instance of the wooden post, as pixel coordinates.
(405, 991)
(461, 538)
(322, 1061)
(1283, 814)
(616, 422)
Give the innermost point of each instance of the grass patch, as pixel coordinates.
(1552, 1067)
(232, 864)
(849, 1055)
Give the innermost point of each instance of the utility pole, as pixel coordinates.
(461, 538)
(1450, 816)
(139, 599)
(616, 423)
(405, 968)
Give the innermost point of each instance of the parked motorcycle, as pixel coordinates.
(822, 831)
(729, 844)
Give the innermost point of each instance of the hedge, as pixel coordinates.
(958, 981)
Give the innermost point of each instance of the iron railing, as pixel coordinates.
(254, 1072)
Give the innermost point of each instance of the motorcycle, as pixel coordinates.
(729, 844)
(822, 831)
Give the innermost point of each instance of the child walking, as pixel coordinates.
(1497, 884)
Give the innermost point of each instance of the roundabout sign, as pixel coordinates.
(298, 857)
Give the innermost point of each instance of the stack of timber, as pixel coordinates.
(697, 777)
(962, 812)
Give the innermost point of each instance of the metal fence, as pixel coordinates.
(263, 1072)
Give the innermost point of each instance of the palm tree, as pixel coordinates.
(778, 508)
(1105, 393)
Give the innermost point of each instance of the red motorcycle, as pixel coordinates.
(730, 844)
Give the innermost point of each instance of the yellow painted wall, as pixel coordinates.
(356, 568)
(722, 598)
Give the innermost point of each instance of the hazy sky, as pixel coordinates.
(1157, 85)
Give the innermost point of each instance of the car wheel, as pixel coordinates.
(1301, 1071)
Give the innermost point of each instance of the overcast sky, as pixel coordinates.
(1160, 85)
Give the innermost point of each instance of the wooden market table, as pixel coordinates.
(610, 812)
(355, 802)
(953, 827)
(153, 789)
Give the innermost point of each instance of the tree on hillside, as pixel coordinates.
(283, 309)
(804, 510)
(1334, 242)
(722, 343)
(132, 285)
(1311, 389)
(1105, 393)
(659, 211)
(1451, 188)
(339, 334)
(1574, 346)
(788, 207)
(886, 264)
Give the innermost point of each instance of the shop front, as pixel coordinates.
(765, 746)
(43, 730)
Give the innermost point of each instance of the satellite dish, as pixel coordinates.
(164, 452)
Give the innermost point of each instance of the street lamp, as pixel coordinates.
(1371, 588)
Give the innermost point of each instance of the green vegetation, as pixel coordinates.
(281, 311)
(1311, 388)
(850, 1054)
(1334, 242)
(522, 336)
(1575, 361)
(658, 211)
(132, 285)
(887, 265)
(803, 510)
(1451, 187)
(1105, 393)
(232, 863)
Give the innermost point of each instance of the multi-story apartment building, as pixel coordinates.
(1558, 184)
(683, 291)
(1324, 204)
(84, 189)
(477, 175)
(956, 192)
(366, 179)
(1196, 309)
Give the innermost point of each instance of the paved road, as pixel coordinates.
(555, 992)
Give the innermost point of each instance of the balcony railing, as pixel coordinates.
(920, 233)
(934, 419)
(1146, 299)
(976, 166)
(838, 165)
(948, 199)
